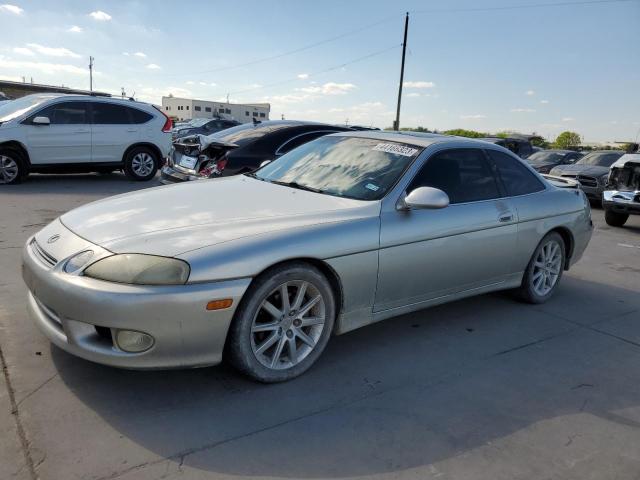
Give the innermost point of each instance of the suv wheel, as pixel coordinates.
(12, 168)
(141, 163)
(615, 219)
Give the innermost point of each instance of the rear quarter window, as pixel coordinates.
(516, 177)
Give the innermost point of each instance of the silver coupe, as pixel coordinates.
(263, 268)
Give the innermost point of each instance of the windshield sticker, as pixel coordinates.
(371, 186)
(395, 148)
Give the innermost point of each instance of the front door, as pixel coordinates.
(428, 254)
(67, 138)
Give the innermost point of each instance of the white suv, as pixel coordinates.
(80, 133)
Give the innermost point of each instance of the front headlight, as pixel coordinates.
(140, 269)
(604, 178)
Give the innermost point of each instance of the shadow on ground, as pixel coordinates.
(396, 395)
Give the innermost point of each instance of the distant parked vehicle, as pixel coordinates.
(54, 133)
(520, 145)
(591, 171)
(621, 196)
(202, 126)
(238, 149)
(545, 160)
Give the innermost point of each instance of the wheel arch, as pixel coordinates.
(569, 243)
(148, 145)
(19, 148)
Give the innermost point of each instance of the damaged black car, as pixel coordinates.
(240, 149)
(621, 196)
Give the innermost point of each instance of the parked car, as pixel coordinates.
(520, 145)
(51, 133)
(341, 232)
(203, 126)
(545, 160)
(621, 196)
(238, 149)
(591, 171)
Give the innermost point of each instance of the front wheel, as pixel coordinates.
(615, 219)
(543, 274)
(12, 167)
(282, 324)
(141, 164)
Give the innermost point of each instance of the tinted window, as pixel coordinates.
(110, 114)
(601, 159)
(138, 116)
(248, 133)
(463, 174)
(65, 113)
(547, 157)
(517, 179)
(361, 168)
(294, 142)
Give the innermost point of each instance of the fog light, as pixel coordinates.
(133, 342)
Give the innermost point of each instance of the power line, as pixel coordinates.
(319, 72)
(289, 52)
(518, 7)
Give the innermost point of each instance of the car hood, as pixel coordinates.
(591, 170)
(179, 218)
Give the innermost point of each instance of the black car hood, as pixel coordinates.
(591, 170)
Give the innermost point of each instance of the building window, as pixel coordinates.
(246, 113)
(221, 110)
(227, 111)
(255, 114)
(207, 109)
(262, 115)
(197, 108)
(167, 108)
(187, 107)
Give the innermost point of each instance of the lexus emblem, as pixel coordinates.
(53, 238)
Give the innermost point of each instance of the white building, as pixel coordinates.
(186, 108)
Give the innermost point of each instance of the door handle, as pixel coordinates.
(507, 217)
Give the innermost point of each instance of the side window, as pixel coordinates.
(65, 113)
(463, 174)
(110, 114)
(138, 116)
(517, 179)
(296, 141)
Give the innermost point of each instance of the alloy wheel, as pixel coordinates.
(8, 169)
(546, 268)
(142, 164)
(288, 325)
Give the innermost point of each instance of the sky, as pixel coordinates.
(539, 66)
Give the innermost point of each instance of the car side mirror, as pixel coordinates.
(266, 162)
(424, 198)
(41, 121)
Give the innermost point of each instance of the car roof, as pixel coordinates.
(75, 96)
(419, 139)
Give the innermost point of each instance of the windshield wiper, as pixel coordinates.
(299, 186)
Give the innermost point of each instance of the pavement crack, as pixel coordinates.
(24, 443)
(37, 389)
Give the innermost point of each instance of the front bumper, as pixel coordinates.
(621, 202)
(68, 308)
(593, 193)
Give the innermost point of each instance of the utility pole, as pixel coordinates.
(396, 124)
(91, 74)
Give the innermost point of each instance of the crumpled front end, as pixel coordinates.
(622, 194)
(196, 157)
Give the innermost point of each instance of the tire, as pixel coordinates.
(272, 343)
(141, 164)
(12, 167)
(615, 219)
(544, 271)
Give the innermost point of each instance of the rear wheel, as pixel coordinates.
(282, 324)
(12, 167)
(141, 164)
(615, 219)
(544, 271)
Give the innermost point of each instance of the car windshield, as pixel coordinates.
(547, 157)
(247, 132)
(600, 159)
(351, 167)
(16, 108)
(197, 122)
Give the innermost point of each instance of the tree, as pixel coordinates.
(461, 132)
(567, 139)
